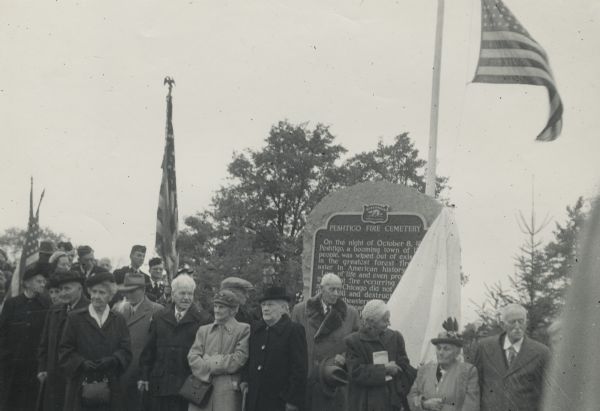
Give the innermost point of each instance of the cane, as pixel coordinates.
(244, 394)
(40, 398)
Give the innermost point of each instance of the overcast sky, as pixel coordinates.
(83, 108)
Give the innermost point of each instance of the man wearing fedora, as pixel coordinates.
(70, 285)
(138, 311)
(275, 374)
(511, 366)
(327, 320)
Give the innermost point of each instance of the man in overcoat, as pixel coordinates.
(511, 366)
(163, 362)
(21, 325)
(275, 374)
(71, 295)
(327, 320)
(138, 312)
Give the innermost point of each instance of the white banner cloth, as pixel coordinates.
(429, 290)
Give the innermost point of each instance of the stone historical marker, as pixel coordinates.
(366, 234)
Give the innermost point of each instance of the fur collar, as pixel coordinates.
(325, 325)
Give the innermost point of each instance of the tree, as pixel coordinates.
(13, 238)
(397, 163)
(253, 227)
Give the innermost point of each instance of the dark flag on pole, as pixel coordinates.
(510, 55)
(166, 218)
(31, 247)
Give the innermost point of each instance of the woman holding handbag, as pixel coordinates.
(217, 356)
(95, 350)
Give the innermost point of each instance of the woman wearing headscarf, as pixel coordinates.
(95, 350)
(379, 370)
(219, 353)
(447, 384)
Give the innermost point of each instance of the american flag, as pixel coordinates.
(166, 221)
(31, 247)
(510, 55)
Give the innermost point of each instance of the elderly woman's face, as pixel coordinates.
(100, 296)
(182, 297)
(446, 353)
(380, 323)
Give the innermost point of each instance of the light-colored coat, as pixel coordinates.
(515, 388)
(139, 331)
(459, 388)
(217, 355)
(324, 339)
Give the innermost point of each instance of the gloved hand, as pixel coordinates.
(89, 365)
(106, 363)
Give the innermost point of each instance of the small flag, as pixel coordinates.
(167, 215)
(31, 247)
(510, 55)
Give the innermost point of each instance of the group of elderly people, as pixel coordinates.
(319, 357)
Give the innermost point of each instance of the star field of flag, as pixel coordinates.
(510, 55)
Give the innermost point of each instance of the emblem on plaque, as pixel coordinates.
(375, 213)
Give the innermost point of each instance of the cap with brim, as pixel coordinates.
(275, 293)
(226, 298)
(133, 281)
(332, 375)
(448, 338)
(236, 283)
(99, 278)
(68, 277)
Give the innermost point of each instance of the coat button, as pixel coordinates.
(263, 347)
(259, 367)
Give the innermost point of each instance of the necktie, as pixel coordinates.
(178, 316)
(327, 309)
(512, 353)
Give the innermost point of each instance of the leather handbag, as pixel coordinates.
(95, 393)
(196, 391)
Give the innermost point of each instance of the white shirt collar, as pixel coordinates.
(516, 346)
(100, 319)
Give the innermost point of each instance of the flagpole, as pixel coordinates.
(435, 100)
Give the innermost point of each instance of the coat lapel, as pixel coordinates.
(325, 324)
(525, 355)
(140, 313)
(495, 352)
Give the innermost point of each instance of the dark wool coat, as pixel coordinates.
(21, 325)
(54, 390)
(325, 338)
(83, 340)
(368, 390)
(515, 388)
(163, 362)
(277, 367)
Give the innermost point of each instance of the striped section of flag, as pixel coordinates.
(510, 55)
(31, 247)
(167, 214)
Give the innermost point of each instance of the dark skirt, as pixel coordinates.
(168, 403)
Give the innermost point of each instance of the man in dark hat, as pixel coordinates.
(136, 258)
(138, 312)
(71, 296)
(241, 289)
(46, 250)
(275, 375)
(156, 287)
(86, 263)
(21, 324)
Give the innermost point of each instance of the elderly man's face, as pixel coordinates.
(182, 297)
(331, 291)
(514, 324)
(272, 310)
(223, 312)
(70, 292)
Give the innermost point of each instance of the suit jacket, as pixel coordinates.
(54, 391)
(277, 367)
(139, 330)
(164, 359)
(515, 388)
(459, 387)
